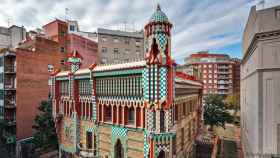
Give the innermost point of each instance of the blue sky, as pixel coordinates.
(214, 25)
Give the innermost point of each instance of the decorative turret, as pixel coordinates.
(158, 38)
(75, 61)
(159, 73)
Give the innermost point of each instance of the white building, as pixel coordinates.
(12, 36)
(260, 84)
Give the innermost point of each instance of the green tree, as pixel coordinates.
(233, 102)
(215, 113)
(45, 136)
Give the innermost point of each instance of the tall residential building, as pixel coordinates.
(116, 46)
(12, 36)
(23, 85)
(70, 38)
(218, 72)
(260, 83)
(136, 109)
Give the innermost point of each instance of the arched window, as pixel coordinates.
(107, 113)
(119, 151)
(161, 154)
(131, 116)
(162, 120)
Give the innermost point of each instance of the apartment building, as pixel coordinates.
(217, 71)
(70, 38)
(23, 85)
(260, 84)
(11, 36)
(116, 46)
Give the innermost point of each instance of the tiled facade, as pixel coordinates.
(129, 110)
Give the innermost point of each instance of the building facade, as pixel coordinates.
(70, 39)
(116, 46)
(136, 109)
(219, 72)
(12, 36)
(260, 83)
(23, 85)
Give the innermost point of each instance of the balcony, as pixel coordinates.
(9, 86)
(11, 121)
(10, 69)
(223, 67)
(10, 106)
(223, 87)
(223, 72)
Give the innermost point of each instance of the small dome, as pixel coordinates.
(159, 16)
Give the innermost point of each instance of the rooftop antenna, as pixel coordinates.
(66, 13)
(8, 21)
(125, 23)
(262, 3)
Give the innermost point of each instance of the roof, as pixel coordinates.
(100, 68)
(120, 33)
(183, 77)
(56, 20)
(158, 16)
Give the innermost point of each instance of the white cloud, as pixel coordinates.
(198, 25)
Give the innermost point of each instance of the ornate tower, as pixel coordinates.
(158, 83)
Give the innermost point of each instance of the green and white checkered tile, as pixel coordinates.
(119, 131)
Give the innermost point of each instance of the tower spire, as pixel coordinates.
(158, 7)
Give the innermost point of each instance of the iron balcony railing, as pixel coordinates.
(10, 69)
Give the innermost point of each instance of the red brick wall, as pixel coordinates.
(86, 47)
(32, 82)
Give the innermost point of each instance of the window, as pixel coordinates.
(162, 119)
(50, 67)
(62, 49)
(1, 61)
(107, 113)
(204, 71)
(204, 66)
(210, 71)
(104, 60)
(1, 77)
(210, 81)
(62, 33)
(116, 53)
(62, 62)
(204, 76)
(182, 138)
(204, 81)
(72, 28)
(215, 81)
(138, 53)
(89, 140)
(104, 50)
(277, 12)
(116, 39)
(131, 116)
(126, 52)
(209, 66)
(126, 41)
(104, 39)
(137, 43)
(210, 76)
(84, 87)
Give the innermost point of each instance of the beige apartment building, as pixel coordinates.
(260, 84)
(115, 46)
